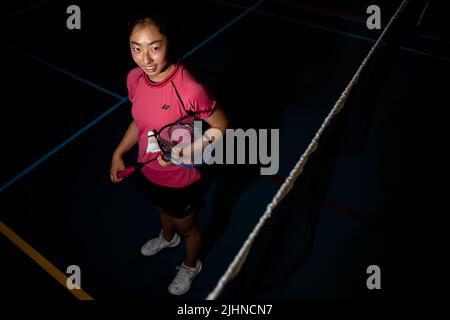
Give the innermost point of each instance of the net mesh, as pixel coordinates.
(287, 238)
(283, 237)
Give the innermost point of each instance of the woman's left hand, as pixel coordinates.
(163, 163)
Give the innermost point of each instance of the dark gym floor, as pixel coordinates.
(282, 65)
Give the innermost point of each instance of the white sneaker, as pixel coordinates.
(183, 279)
(155, 245)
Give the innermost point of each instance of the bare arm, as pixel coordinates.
(217, 120)
(129, 139)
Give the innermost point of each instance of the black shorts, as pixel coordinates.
(177, 202)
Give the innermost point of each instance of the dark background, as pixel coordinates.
(383, 199)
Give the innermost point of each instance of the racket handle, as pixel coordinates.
(125, 172)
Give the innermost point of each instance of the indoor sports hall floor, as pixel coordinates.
(283, 65)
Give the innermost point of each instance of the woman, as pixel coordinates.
(163, 91)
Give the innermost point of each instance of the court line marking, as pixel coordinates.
(107, 112)
(42, 262)
(350, 17)
(60, 146)
(12, 15)
(248, 10)
(70, 74)
(26, 248)
(348, 34)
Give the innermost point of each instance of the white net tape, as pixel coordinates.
(239, 259)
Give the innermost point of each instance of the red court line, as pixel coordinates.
(362, 19)
(348, 213)
(339, 13)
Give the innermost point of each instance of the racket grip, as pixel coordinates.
(125, 172)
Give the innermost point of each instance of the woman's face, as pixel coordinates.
(149, 51)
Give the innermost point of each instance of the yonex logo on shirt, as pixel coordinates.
(165, 107)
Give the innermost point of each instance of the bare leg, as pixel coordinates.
(190, 230)
(167, 225)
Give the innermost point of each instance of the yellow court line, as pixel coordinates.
(42, 262)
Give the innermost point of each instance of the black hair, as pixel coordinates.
(157, 20)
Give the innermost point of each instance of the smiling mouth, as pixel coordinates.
(150, 69)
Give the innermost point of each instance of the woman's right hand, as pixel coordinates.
(117, 165)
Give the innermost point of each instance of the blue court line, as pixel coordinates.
(298, 21)
(62, 145)
(64, 71)
(15, 14)
(103, 115)
(222, 29)
(431, 55)
(352, 35)
(302, 8)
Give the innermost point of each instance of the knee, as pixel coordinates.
(189, 230)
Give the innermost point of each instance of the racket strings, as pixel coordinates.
(183, 143)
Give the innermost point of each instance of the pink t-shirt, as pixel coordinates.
(156, 105)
